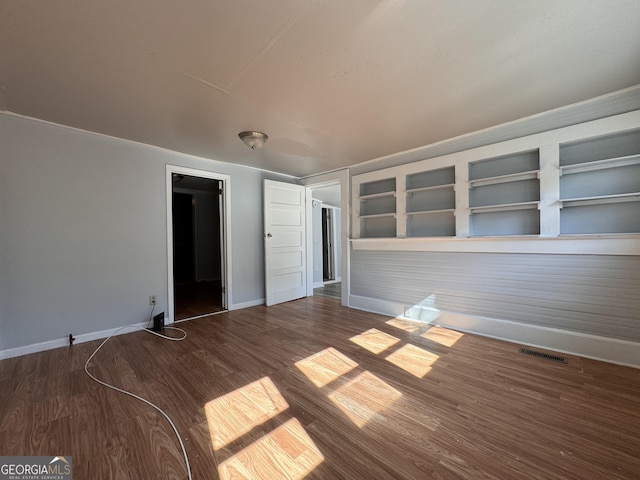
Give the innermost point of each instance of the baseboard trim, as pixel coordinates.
(376, 305)
(64, 342)
(252, 303)
(620, 352)
(87, 337)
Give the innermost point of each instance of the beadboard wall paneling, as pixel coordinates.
(590, 294)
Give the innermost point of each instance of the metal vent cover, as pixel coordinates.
(546, 356)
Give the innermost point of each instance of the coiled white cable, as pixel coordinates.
(86, 369)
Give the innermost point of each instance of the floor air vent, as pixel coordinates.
(533, 353)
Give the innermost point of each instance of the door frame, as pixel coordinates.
(337, 177)
(225, 230)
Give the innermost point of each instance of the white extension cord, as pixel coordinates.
(86, 369)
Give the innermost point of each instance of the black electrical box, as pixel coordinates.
(158, 322)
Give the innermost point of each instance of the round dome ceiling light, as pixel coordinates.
(253, 140)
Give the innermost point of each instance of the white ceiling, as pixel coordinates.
(333, 83)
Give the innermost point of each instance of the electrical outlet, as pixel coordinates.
(152, 300)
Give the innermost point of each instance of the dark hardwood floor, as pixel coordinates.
(309, 389)
(197, 298)
(330, 290)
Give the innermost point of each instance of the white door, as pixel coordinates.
(284, 242)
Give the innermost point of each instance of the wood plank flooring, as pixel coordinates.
(310, 389)
(197, 298)
(330, 290)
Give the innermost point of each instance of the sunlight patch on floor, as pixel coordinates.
(374, 340)
(442, 335)
(286, 452)
(406, 324)
(414, 360)
(364, 397)
(326, 366)
(238, 412)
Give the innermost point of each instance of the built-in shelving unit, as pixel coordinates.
(413, 203)
(573, 182)
(503, 195)
(377, 208)
(430, 203)
(600, 185)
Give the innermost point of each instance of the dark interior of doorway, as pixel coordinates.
(328, 253)
(197, 247)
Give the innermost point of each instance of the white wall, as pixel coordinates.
(83, 231)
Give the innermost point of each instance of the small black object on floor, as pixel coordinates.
(158, 322)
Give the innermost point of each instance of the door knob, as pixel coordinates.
(269, 235)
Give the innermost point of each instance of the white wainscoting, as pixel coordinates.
(611, 350)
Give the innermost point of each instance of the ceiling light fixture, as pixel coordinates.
(253, 140)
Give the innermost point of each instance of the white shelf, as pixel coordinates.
(377, 215)
(512, 177)
(592, 244)
(376, 195)
(505, 207)
(425, 212)
(600, 164)
(426, 189)
(599, 200)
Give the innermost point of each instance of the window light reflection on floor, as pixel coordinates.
(364, 397)
(374, 340)
(286, 452)
(406, 324)
(414, 360)
(442, 335)
(325, 366)
(236, 413)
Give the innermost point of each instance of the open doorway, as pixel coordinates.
(197, 244)
(326, 233)
(331, 248)
(331, 189)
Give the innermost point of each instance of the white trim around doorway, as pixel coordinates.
(226, 232)
(337, 177)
